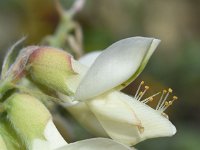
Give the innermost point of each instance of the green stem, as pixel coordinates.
(66, 25)
(68, 35)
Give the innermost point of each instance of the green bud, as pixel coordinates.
(51, 67)
(28, 116)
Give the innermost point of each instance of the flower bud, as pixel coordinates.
(52, 68)
(28, 117)
(32, 122)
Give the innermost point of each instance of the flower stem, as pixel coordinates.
(68, 34)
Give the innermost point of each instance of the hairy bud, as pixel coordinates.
(51, 67)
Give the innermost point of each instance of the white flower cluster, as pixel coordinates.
(91, 88)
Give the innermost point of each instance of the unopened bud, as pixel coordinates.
(28, 117)
(51, 67)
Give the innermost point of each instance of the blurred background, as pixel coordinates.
(175, 64)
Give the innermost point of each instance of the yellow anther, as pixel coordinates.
(164, 91)
(175, 97)
(146, 87)
(170, 102)
(140, 93)
(142, 82)
(166, 103)
(170, 90)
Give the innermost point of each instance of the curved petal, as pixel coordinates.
(87, 119)
(40, 144)
(53, 136)
(128, 120)
(117, 118)
(83, 114)
(95, 144)
(52, 140)
(89, 58)
(123, 61)
(154, 122)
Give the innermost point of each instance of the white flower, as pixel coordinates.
(124, 118)
(129, 120)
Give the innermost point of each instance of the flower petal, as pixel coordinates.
(89, 58)
(117, 118)
(40, 144)
(123, 61)
(154, 123)
(95, 144)
(53, 139)
(53, 136)
(87, 119)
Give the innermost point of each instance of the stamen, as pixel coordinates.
(139, 95)
(141, 83)
(163, 104)
(164, 91)
(175, 97)
(149, 98)
(168, 103)
(146, 88)
(165, 98)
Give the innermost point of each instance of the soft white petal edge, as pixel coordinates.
(39, 144)
(89, 58)
(155, 124)
(95, 144)
(118, 114)
(118, 63)
(53, 136)
(87, 119)
(117, 118)
(53, 139)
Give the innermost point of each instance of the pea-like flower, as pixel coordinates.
(124, 118)
(94, 91)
